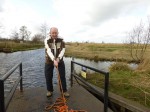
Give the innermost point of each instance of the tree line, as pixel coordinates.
(138, 39)
(25, 35)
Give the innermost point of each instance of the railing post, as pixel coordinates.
(72, 69)
(2, 100)
(21, 87)
(106, 92)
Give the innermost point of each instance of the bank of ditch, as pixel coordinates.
(128, 83)
(11, 46)
(101, 52)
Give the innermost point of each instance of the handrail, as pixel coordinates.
(4, 104)
(10, 72)
(12, 92)
(106, 83)
(94, 69)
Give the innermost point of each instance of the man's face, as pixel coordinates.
(54, 33)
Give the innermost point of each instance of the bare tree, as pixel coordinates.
(44, 30)
(28, 35)
(37, 38)
(138, 41)
(15, 36)
(24, 33)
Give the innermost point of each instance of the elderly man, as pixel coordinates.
(54, 52)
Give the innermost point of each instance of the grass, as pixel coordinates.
(20, 46)
(144, 66)
(125, 82)
(100, 52)
(90, 51)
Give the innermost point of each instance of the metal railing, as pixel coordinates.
(106, 81)
(4, 102)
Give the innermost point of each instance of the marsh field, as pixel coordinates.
(102, 52)
(131, 84)
(19, 46)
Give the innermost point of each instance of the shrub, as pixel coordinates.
(119, 66)
(144, 66)
(96, 58)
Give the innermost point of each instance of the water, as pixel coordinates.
(33, 62)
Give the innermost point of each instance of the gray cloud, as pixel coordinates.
(102, 11)
(1, 5)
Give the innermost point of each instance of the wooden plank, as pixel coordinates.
(82, 99)
(34, 100)
(31, 100)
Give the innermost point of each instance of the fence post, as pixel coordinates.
(106, 92)
(2, 100)
(72, 69)
(21, 87)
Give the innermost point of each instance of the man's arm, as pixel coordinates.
(48, 50)
(62, 51)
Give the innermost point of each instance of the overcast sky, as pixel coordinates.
(77, 20)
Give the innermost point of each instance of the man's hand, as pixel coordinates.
(55, 63)
(58, 59)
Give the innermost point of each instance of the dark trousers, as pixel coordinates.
(49, 75)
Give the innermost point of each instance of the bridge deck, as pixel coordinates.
(34, 100)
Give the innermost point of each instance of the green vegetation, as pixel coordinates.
(120, 66)
(101, 52)
(134, 85)
(13, 46)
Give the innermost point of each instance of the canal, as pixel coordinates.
(33, 67)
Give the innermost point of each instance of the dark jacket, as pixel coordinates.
(60, 49)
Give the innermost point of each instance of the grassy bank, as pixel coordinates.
(91, 51)
(20, 46)
(133, 85)
(97, 52)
